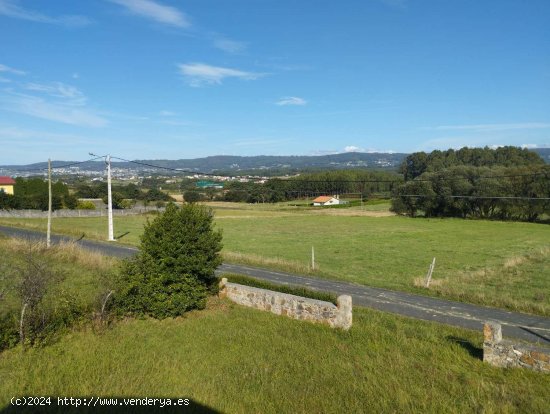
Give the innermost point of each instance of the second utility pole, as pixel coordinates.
(49, 230)
(109, 199)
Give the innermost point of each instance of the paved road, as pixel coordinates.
(517, 325)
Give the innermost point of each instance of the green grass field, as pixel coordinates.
(233, 359)
(502, 264)
(237, 360)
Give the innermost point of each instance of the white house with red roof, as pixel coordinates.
(326, 201)
(6, 184)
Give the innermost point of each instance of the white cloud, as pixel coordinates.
(10, 8)
(291, 100)
(155, 11)
(199, 74)
(167, 113)
(353, 148)
(20, 136)
(491, 127)
(68, 93)
(40, 108)
(230, 46)
(7, 69)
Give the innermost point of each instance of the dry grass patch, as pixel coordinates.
(421, 282)
(541, 253)
(525, 275)
(352, 212)
(65, 251)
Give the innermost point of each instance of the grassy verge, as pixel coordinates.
(238, 360)
(232, 359)
(81, 272)
(292, 290)
(75, 281)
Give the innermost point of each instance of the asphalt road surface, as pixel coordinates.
(514, 325)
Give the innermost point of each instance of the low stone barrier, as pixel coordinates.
(295, 307)
(76, 213)
(507, 354)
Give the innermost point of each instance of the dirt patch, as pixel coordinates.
(353, 213)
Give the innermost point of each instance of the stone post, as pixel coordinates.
(343, 318)
(222, 293)
(492, 332)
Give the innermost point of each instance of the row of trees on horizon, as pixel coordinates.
(507, 183)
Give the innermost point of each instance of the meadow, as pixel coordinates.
(232, 359)
(492, 263)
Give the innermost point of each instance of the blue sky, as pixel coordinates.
(191, 78)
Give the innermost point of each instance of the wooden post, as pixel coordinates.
(49, 230)
(429, 275)
(312, 258)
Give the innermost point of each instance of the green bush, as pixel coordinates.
(174, 270)
(9, 335)
(85, 205)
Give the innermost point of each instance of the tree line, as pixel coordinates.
(507, 183)
(364, 183)
(416, 164)
(32, 193)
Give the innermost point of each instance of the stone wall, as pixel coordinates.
(507, 354)
(76, 213)
(295, 307)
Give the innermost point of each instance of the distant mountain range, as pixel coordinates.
(261, 165)
(229, 163)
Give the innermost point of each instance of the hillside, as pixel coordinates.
(229, 163)
(260, 164)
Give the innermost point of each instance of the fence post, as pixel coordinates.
(429, 275)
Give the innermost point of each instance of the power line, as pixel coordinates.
(76, 163)
(474, 197)
(397, 180)
(62, 166)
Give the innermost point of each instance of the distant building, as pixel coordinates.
(6, 184)
(327, 201)
(208, 184)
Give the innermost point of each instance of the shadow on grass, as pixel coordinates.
(120, 236)
(473, 350)
(117, 405)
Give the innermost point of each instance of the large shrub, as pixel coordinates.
(174, 270)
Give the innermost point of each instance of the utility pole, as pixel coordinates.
(111, 234)
(49, 231)
(109, 198)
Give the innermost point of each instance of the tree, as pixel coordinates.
(192, 196)
(157, 195)
(117, 199)
(70, 201)
(174, 270)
